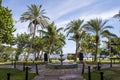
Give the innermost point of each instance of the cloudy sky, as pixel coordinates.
(63, 11)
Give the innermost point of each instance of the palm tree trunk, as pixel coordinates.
(76, 51)
(49, 53)
(97, 39)
(110, 47)
(32, 40)
(50, 48)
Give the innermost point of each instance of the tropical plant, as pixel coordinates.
(35, 15)
(59, 44)
(51, 34)
(109, 36)
(88, 43)
(22, 42)
(115, 46)
(76, 28)
(99, 28)
(38, 46)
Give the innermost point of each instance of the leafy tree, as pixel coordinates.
(38, 46)
(99, 28)
(76, 28)
(5, 52)
(22, 41)
(115, 46)
(35, 15)
(6, 25)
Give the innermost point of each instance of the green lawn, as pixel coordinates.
(109, 74)
(15, 74)
(21, 63)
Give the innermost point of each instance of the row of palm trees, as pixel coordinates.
(96, 27)
(36, 17)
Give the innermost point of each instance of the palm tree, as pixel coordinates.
(109, 36)
(35, 15)
(51, 35)
(98, 27)
(59, 44)
(76, 28)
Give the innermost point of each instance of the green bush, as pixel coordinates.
(71, 57)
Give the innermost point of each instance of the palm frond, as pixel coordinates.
(117, 15)
(106, 27)
(108, 34)
(30, 27)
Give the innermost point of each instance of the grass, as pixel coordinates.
(15, 74)
(21, 63)
(109, 74)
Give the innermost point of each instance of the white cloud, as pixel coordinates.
(68, 6)
(87, 16)
(103, 15)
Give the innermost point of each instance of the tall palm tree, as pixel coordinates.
(76, 28)
(98, 27)
(36, 17)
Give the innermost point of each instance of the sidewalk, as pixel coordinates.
(59, 74)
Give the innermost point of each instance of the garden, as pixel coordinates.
(26, 56)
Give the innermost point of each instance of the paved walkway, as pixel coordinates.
(59, 74)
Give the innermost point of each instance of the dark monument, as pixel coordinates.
(81, 56)
(45, 57)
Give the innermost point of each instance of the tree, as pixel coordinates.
(109, 36)
(22, 42)
(76, 28)
(35, 15)
(6, 25)
(51, 34)
(88, 43)
(60, 43)
(98, 27)
(38, 45)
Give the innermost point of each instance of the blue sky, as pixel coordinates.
(63, 11)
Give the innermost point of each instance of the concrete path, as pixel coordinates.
(59, 74)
